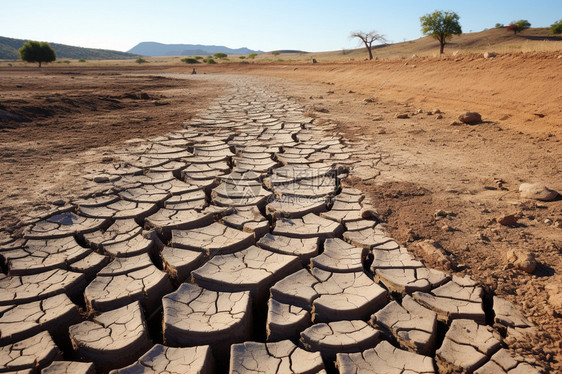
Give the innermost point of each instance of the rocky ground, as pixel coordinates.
(424, 178)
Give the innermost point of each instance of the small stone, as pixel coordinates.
(440, 213)
(368, 100)
(489, 55)
(455, 123)
(101, 179)
(508, 220)
(522, 260)
(470, 118)
(402, 115)
(419, 111)
(547, 221)
(433, 250)
(537, 191)
(439, 116)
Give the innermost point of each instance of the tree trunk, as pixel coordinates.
(442, 48)
(39, 63)
(368, 49)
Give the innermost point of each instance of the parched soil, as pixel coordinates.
(443, 182)
(450, 182)
(53, 123)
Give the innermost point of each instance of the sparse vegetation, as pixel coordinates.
(499, 26)
(39, 52)
(190, 60)
(275, 53)
(220, 56)
(198, 57)
(441, 26)
(210, 61)
(556, 27)
(368, 38)
(518, 26)
(66, 61)
(242, 57)
(81, 60)
(141, 60)
(252, 55)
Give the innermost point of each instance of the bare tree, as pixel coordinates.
(368, 38)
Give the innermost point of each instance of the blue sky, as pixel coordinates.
(310, 25)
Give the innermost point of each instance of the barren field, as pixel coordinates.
(441, 180)
(53, 123)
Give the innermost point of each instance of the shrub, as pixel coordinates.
(556, 27)
(220, 56)
(198, 57)
(141, 60)
(189, 60)
(242, 57)
(211, 61)
(33, 51)
(252, 55)
(66, 61)
(275, 53)
(81, 60)
(499, 26)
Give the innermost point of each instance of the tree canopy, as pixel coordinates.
(368, 38)
(441, 26)
(518, 26)
(39, 52)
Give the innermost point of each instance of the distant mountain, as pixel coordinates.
(160, 49)
(9, 51)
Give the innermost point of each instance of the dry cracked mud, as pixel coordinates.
(236, 245)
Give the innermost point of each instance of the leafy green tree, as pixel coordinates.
(556, 27)
(39, 52)
(368, 38)
(220, 56)
(518, 26)
(441, 26)
(252, 55)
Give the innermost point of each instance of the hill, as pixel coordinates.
(160, 49)
(9, 51)
(493, 40)
(497, 40)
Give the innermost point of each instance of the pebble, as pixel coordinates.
(508, 220)
(537, 191)
(522, 260)
(470, 118)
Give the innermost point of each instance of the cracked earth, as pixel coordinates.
(237, 244)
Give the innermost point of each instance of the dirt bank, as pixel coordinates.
(520, 91)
